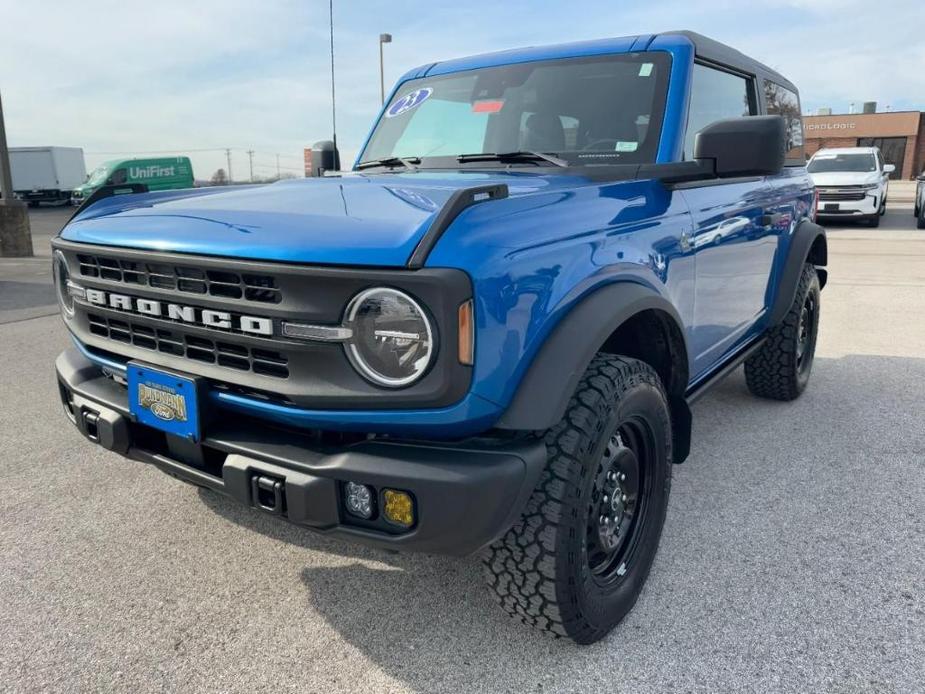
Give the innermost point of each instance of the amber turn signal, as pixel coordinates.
(466, 334)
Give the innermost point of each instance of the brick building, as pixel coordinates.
(900, 135)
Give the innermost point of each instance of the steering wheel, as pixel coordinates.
(594, 145)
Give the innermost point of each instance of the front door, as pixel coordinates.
(734, 245)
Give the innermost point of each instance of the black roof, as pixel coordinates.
(716, 52)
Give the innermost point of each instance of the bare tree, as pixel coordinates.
(220, 178)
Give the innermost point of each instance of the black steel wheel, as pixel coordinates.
(806, 333)
(617, 505)
(576, 561)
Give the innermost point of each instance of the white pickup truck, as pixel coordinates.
(852, 182)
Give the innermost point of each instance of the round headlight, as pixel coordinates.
(61, 278)
(392, 341)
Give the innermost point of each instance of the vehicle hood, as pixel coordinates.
(845, 178)
(355, 219)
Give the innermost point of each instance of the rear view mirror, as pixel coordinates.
(889, 168)
(748, 146)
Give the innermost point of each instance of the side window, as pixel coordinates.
(783, 102)
(118, 177)
(715, 95)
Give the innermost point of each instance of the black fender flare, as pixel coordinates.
(807, 244)
(547, 386)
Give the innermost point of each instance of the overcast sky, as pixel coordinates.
(113, 76)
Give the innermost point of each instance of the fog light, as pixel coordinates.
(399, 508)
(359, 500)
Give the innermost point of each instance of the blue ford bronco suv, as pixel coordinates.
(487, 336)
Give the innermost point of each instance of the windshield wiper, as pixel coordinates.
(513, 156)
(407, 162)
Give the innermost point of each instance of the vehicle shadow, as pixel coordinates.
(428, 621)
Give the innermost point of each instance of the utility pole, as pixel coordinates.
(383, 38)
(15, 234)
(228, 157)
(250, 155)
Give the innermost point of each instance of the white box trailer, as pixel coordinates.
(46, 174)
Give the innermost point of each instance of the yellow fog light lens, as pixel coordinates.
(398, 507)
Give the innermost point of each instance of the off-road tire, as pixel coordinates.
(539, 570)
(775, 371)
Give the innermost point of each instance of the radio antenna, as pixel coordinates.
(333, 107)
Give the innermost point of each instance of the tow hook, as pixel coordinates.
(268, 494)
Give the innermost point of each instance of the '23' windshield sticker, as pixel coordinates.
(409, 101)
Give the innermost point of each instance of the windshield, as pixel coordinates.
(602, 110)
(98, 176)
(825, 163)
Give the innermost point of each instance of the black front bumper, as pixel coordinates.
(466, 494)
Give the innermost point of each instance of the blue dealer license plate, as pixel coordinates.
(164, 400)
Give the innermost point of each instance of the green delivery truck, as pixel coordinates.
(164, 173)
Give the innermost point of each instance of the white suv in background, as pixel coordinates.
(852, 183)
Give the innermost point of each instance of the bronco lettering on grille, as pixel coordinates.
(202, 317)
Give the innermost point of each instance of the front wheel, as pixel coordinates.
(576, 561)
(920, 220)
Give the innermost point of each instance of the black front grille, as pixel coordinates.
(172, 330)
(181, 278)
(227, 354)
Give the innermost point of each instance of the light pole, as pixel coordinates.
(15, 234)
(383, 38)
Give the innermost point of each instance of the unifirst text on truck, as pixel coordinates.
(165, 173)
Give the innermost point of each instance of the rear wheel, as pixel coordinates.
(780, 369)
(575, 562)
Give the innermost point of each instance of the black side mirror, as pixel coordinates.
(325, 157)
(748, 146)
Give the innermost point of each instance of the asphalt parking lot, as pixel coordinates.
(793, 558)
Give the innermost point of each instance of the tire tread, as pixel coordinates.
(770, 372)
(521, 567)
